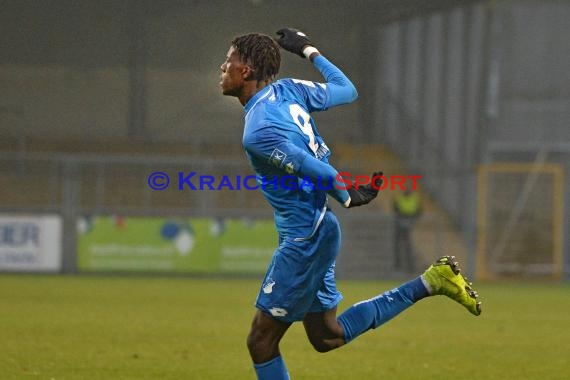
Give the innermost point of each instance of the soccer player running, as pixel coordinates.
(281, 140)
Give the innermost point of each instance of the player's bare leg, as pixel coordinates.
(264, 337)
(263, 344)
(324, 331)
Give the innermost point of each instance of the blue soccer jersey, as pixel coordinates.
(286, 151)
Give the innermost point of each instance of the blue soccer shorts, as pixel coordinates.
(301, 276)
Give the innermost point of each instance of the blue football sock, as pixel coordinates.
(272, 370)
(371, 313)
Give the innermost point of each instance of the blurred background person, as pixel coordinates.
(407, 208)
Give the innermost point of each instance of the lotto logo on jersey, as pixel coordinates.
(277, 157)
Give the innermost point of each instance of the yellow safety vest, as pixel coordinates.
(408, 205)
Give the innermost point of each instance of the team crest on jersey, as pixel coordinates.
(277, 157)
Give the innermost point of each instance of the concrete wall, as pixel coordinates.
(453, 82)
(432, 68)
(532, 56)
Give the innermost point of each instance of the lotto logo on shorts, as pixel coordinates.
(278, 312)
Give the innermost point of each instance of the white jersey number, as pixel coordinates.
(302, 119)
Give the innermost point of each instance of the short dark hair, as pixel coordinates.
(261, 52)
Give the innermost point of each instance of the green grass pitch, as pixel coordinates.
(97, 327)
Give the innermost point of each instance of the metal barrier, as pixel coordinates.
(76, 185)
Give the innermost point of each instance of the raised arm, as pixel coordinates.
(338, 87)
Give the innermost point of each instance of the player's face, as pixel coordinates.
(234, 72)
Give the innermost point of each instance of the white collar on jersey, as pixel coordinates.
(261, 97)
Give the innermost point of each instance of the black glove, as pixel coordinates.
(365, 193)
(293, 40)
